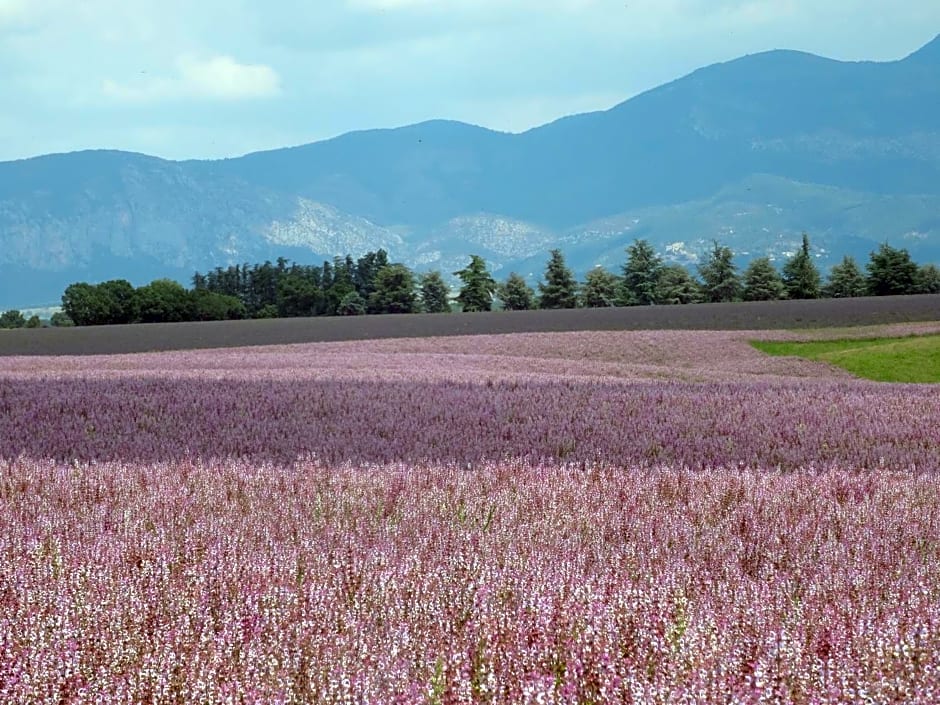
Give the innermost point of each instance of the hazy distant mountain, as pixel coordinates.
(750, 152)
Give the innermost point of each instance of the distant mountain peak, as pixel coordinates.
(929, 53)
(851, 150)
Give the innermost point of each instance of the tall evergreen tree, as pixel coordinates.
(326, 277)
(366, 269)
(560, 289)
(434, 293)
(677, 286)
(891, 272)
(640, 275)
(762, 282)
(928, 279)
(478, 288)
(394, 292)
(600, 289)
(516, 294)
(341, 284)
(262, 283)
(720, 280)
(800, 276)
(845, 280)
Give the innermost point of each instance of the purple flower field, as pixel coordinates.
(629, 517)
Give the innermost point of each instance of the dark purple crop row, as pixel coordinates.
(769, 425)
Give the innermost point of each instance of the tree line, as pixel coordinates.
(284, 289)
(372, 284)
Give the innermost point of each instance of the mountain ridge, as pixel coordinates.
(814, 125)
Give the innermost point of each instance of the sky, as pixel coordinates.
(185, 79)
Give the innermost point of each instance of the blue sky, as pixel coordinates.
(214, 78)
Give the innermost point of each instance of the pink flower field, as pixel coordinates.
(630, 517)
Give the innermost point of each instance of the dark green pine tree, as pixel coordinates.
(600, 289)
(366, 269)
(394, 291)
(891, 272)
(720, 280)
(478, 288)
(516, 294)
(845, 280)
(640, 275)
(677, 286)
(928, 279)
(434, 293)
(800, 276)
(559, 290)
(762, 281)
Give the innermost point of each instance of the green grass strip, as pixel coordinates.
(911, 359)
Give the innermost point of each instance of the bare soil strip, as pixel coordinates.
(772, 315)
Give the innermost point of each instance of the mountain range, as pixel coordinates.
(751, 153)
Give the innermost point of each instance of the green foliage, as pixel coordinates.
(85, 304)
(60, 320)
(845, 280)
(600, 289)
(342, 284)
(394, 291)
(109, 303)
(762, 282)
(891, 272)
(164, 301)
(640, 275)
(121, 300)
(34, 322)
(928, 279)
(677, 286)
(367, 269)
(297, 295)
(434, 293)
(352, 304)
(478, 288)
(266, 311)
(912, 359)
(209, 306)
(438, 685)
(372, 285)
(560, 290)
(515, 294)
(720, 280)
(800, 275)
(12, 319)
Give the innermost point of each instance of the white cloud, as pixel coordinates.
(223, 77)
(92, 73)
(217, 78)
